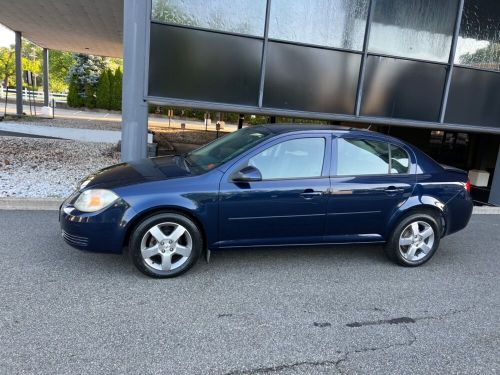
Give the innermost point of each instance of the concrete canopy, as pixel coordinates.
(86, 26)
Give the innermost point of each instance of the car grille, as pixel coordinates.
(75, 240)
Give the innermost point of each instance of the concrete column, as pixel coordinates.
(19, 75)
(45, 77)
(134, 107)
(495, 185)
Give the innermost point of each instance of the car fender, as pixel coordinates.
(411, 204)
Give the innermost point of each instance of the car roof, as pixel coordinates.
(294, 127)
(283, 128)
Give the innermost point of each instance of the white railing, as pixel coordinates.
(37, 96)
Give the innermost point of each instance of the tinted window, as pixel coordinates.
(479, 41)
(361, 157)
(420, 29)
(195, 64)
(297, 158)
(224, 149)
(237, 16)
(403, 89)
(333, 23)
(399, 160)
(310, 79)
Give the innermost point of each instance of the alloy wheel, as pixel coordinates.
(166, 246)
(416, 241)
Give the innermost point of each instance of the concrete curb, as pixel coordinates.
(50, 204)
(47, 204)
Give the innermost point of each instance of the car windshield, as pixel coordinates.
(224, 149)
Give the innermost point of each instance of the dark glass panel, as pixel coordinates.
(237, 16)
(474, 98)
(332, 23)
(310, 79)
(403, 89)
(479, 40)
(201, 65)
(420, 29)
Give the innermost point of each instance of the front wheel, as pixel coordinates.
(165, 245)
(414, 240)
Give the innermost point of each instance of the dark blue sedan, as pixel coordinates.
(274, 185)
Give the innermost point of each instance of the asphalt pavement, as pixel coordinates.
(257, 311)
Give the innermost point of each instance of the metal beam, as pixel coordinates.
(451, 61)
(362, 68)
(223, 107)
(495, 185)
(19, 75)
(45, 77)
(264, 54)
(134, 106)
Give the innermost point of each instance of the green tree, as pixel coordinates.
(74, 98)
(7, 65)
(103, 92)
(116, 94)
(89, 100)
(59, 64)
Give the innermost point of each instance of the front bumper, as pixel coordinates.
(101, 231)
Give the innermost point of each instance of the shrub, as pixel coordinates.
(116, 92)
(103, 92)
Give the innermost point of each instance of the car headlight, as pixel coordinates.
(94, 200)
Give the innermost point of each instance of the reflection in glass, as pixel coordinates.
(419, 29)
(399, 160)
(479, 39)
(332, 23)
(358, 157)
(237, 16)
(297, 158)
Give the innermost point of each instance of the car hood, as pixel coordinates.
(139, 171)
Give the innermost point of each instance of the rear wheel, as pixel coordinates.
(165, 245)
(414, 240)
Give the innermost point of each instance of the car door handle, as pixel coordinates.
(393, 190)
(310, 193)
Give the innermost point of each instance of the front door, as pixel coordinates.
(288, 206)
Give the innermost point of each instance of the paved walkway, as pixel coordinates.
(116, 117)
(84, 135)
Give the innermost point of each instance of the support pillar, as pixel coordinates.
(45, 77)
(495, 185)
(134, 106)
(19, 75)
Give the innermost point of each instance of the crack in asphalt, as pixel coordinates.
(336, 364)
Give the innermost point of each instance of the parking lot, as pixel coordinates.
(256, 311)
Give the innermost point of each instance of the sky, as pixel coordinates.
(6, 36)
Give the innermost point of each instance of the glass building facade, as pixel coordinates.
(409, 61)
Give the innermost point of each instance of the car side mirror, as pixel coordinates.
(247, 174)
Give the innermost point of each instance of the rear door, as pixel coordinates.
(370, 179)
(289, 205)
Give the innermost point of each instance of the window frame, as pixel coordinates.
(327, 156)
(335, 149)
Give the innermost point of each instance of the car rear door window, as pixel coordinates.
(400, 162)
(362, 157)
(296, 158)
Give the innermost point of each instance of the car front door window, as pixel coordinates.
(296, 158)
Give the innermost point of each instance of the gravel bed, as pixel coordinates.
(41, 168)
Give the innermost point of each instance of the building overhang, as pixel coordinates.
(83, 26)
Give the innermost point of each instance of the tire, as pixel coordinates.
(414, 240)
(165, 245)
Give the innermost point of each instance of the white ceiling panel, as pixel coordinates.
(87, 26)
